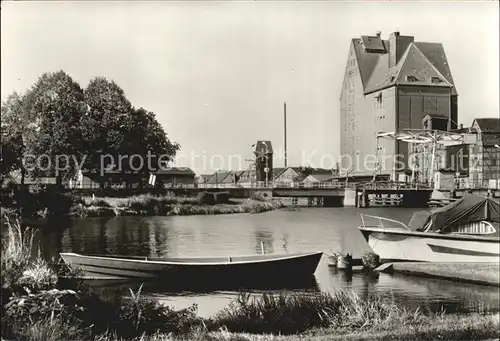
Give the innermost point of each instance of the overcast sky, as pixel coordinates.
(216, 74)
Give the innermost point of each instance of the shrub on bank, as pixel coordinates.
(40, 201)
(138, 315)
(222, 197)
(266, 206)
(282, 313)
(206, 198)
(259, 196)
(370, 260)
(213, 198)
(296, 313)
(157, 204)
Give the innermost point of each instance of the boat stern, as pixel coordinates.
(70, 259)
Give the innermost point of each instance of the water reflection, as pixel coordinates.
(175, 288)
(284, 240)
(264, 240)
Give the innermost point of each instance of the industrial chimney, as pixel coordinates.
(284, 117)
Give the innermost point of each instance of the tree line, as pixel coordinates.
(56, 116)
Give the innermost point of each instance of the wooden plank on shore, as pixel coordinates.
(386, 267)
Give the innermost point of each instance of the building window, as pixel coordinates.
(379, 119)
(378, 101)
(436, 80)
(411, 79)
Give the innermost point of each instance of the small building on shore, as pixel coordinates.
(247, 178)
(215, 181)
(175, 177)
(168, 177)
(476, 165)
(202, 180)
(16, 178)
(317, 178)
(286, 176)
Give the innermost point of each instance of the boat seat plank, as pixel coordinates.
(228, 259)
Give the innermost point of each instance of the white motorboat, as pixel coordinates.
(467, 230)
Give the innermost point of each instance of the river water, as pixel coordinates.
(308, 229)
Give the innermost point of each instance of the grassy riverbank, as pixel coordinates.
(42, 204)
(447, 327)
(168, 205)
(37, 304)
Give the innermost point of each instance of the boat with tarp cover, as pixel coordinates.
(467, 230)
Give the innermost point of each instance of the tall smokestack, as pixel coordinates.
(286, 155)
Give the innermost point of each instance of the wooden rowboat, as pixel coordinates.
(242, 268)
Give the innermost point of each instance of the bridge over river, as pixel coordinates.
(325, 193)
(331, 193)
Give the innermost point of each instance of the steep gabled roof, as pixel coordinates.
(382, 76)
(279, 171)
(488, 125)
(421, 60)
(415, 64)
(366, 61)
(248, 173)
(175, 171)
(321, 177)
(218, 177)
(434, 52)
(414, 68)
(231, 177)
(204, 177)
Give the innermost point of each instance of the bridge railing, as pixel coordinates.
(478, 184)
(392, 185)
(378, 185)
(326, 184)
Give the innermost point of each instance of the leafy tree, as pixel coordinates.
(113, 127)
(145, 134)
(10, 154)
(18, 131)
(57, 118)
(56, 102)
(104, 124)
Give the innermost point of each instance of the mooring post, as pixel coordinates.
(345, 262)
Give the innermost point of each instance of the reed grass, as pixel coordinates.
(52, 329)
(296, 313)
(16, 253)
